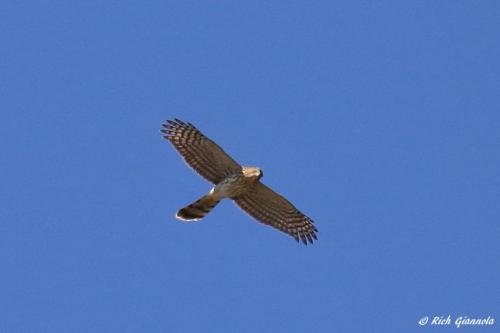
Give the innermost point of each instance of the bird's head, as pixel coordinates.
(253, 172)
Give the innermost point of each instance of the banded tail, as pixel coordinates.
(198, 209)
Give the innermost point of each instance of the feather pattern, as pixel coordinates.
(199, 152)
(272, 209)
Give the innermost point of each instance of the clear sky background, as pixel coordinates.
(380, 120)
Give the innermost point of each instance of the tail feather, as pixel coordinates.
(198, 209)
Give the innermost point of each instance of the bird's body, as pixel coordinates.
(238, 183)
(229, 188)
(232, 181)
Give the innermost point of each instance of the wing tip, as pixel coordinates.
(172, 126)
(306, 238)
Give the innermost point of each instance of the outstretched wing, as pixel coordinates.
(201, 153)
(271, 208)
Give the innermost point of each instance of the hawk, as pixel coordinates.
(239, 183)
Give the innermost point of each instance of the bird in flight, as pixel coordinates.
(233, 181)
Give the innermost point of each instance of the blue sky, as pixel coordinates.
(380, 120)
